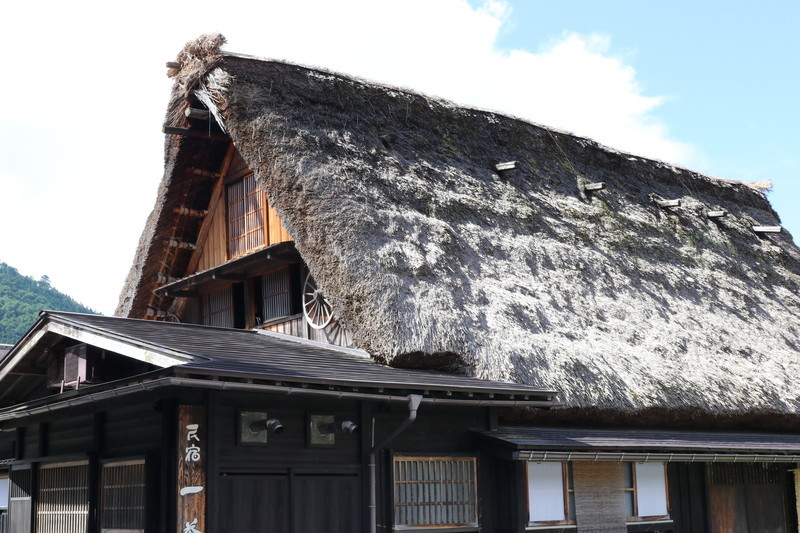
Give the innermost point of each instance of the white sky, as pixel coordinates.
(85, 91)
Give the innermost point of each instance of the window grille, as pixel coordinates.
(63, 498)
(435, 492)
(218, 308)
(122, 497)
(245, 217)
(276, 294)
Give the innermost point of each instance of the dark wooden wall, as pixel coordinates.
(329, 481)
(687, 491)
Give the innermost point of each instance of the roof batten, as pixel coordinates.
(508, 165)
(667, 203)
(767, 229)
(592, 187)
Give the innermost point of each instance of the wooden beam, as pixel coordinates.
(229, 277)
(163, 279)
(668, 203)
(199, 134)
(175, 243)
(182, 294)
(717, 214)
(202, 172)
(767, 229)
(591, 187)
(173, 64)
(26, 370)
(199, 114)
(508, 165)
(189, 212)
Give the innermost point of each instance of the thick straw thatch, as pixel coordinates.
(430, 254)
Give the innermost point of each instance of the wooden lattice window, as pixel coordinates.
(645, 488)
(435, 492)
(122, 497)
(217, 308)
(551, 497)
(246, 213)
(276, 294)
(62, 502)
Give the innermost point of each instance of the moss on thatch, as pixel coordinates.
(429, 254)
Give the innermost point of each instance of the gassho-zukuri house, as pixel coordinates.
(356, 308)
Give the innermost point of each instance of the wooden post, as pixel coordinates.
(192, 451)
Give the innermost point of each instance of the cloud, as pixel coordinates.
(86, 99)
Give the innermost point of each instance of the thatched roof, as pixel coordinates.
(430, 254)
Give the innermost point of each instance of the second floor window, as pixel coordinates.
(246, 212)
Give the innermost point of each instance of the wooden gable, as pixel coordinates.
(240, 218)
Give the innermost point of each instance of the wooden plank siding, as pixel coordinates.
(276, 232)
(296, 326)
(214, 251)
(70, 435)
(214, 248)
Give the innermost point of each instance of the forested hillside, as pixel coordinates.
(21, 299)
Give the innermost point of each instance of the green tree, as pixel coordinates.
(22, 298)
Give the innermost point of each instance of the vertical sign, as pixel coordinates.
(191, 490)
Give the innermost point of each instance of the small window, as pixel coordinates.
(246, 213)
(551, 499)
(646, 496)
(435, 492)
(122, 497)
(217, 308)
(276, 295)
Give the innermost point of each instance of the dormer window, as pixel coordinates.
(246, 216)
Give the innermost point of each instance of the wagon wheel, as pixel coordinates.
(316, 309)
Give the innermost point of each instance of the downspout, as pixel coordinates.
(413, 404)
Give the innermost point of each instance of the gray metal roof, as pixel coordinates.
(246, 354)
(599, 440)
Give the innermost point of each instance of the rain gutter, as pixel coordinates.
(21, 412)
